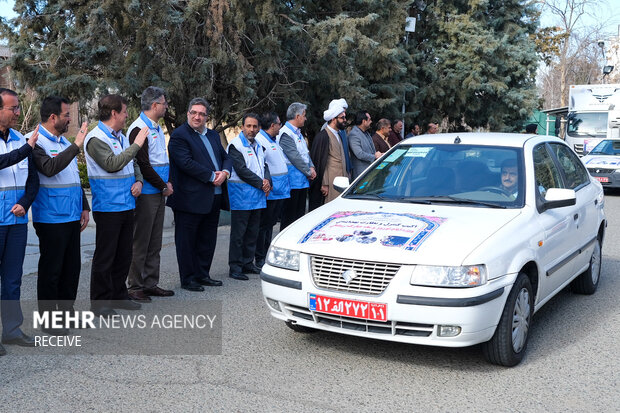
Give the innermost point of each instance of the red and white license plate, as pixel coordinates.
(602, 179)
(348, 308)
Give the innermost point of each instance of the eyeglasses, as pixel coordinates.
(194, 113)
(14, 109)
(341, 117)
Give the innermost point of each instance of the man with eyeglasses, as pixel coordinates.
(19, 184)
(328, 155)
(60, 211)
(152, 158)
(199, 168)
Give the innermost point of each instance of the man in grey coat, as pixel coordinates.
(362, 148)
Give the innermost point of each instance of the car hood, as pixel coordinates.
(601, 161)
(394, 232)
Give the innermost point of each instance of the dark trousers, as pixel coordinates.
(112, 257)
(269, 217)
(294, 207)
(147, 234)
(12, 250)
(59, 265)
(195, 236)
(243, 233)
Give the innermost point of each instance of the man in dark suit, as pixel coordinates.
(199, 168)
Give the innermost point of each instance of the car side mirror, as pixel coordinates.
(558, 198)
(341, 183)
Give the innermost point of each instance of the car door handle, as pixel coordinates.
(575, 217)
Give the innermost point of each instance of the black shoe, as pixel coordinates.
(56, 331)
(2, 351)
(251, 269)
(103, 312)
(238, 276)
(192, 286)
(127, 305)
(209, 282)
(23, 341)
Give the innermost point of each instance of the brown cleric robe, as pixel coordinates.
(327, 154)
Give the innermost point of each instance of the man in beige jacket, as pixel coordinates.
(327, 154)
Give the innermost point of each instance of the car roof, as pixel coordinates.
(480, 138)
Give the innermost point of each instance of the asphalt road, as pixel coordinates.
(572, 364)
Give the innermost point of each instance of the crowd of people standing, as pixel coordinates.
(266, 174)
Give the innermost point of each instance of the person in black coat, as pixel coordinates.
(199, 168)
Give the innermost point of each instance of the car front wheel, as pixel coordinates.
(508, 344)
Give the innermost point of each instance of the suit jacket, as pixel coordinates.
(394, 138)
(380, 144)
(362, 150)
(191, 170)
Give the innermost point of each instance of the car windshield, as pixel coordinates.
(587, 124)
(606, 147)
(469, 175)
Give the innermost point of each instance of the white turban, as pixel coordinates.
(336, 107)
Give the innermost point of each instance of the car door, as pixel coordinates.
(576, 177)
(556, 254)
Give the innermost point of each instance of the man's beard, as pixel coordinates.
(340, 125)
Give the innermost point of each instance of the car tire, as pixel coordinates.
(587, 282)
(299, 329)
(508, 344)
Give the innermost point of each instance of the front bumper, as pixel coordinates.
(414, 314)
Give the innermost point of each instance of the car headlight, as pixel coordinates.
(283, 258)
(437, 276)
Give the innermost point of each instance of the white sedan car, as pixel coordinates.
(447, 240)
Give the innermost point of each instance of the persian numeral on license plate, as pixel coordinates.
(348, 308)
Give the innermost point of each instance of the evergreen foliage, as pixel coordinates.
(469, 61)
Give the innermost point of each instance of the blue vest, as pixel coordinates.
(12, 180)
(275, 159)
(243, 196)
(60, 196)
(158, 157)
(296, 178)
(111, 191)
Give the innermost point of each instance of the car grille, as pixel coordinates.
(372, 278)
(394, 328)
(600, 171)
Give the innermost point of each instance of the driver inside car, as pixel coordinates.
(510, 178)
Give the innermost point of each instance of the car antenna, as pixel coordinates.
(457, 140)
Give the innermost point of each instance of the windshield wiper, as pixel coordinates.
(367, 196)
(414, 200)
(452, 199)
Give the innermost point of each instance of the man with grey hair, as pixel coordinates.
(199, 168)
(300, 167)
(152, 158)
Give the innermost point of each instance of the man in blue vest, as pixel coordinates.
(199, 167)
(150, 206)
(276, 161)
(300, 167)
(60, 211)
(248, 188)
(19, 184)
(115, 182)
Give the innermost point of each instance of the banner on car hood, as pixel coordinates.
(396, 230)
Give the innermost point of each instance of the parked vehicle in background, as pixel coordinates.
(592, 110)
(603, 163)
(447, 240)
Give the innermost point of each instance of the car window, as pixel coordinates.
(606, 147)
(454, 172)
(545, 171)
(574, 171)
